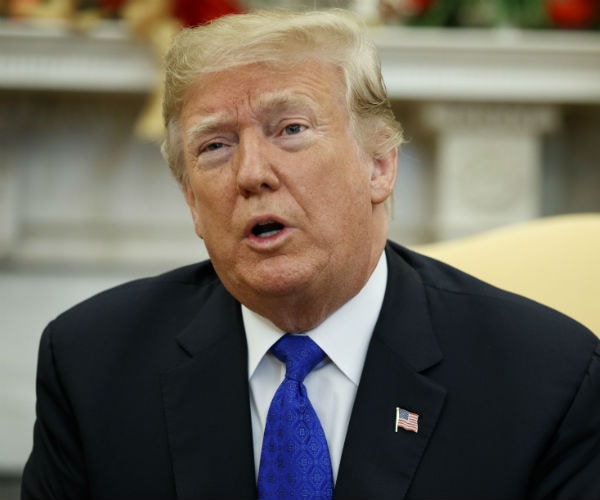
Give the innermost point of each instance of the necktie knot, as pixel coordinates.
(299, 353)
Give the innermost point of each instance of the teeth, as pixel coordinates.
(267, 234)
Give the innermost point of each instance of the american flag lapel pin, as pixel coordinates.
(407, 420)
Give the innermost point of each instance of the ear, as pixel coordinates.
(190, 199)
(383, 176)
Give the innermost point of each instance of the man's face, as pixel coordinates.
(278, 188)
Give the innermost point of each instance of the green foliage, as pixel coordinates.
(527, 14)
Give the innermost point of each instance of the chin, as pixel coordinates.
(278, 279)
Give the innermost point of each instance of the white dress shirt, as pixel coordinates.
(332, 385)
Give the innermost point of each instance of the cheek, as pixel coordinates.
(352, 185)
(199, 226)
(196, 212)
(214, 209)
(341, 199)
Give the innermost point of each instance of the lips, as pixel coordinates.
(266, 231)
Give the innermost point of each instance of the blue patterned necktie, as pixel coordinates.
(295, 459)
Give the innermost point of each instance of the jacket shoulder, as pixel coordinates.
(454, 295)
(180, 280)
(170, 297)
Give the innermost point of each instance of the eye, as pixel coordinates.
(294, 128)
(213, 146)
(212, 152)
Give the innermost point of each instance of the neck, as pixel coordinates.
(300, 312)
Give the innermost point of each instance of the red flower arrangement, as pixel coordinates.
(573, 14)
(193, 12)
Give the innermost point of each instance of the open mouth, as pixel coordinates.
(267, 229)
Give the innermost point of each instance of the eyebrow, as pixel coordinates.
(281, 99)
(206, 125)
(270, 102)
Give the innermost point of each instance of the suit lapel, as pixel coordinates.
(207, 408)
(378, 462)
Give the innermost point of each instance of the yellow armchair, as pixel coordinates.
(554, 260)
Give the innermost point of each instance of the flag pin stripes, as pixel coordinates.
(407, 420)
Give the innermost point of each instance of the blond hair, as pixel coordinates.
(282, 37)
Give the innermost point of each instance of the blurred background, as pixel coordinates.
(500, 101)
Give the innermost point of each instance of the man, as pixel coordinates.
(434, 385)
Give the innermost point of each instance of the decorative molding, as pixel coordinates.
(494, 65)
(532, 118)
(489, 163)
(503, 64)
(50, 56)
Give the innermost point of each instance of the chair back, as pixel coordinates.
(553, 260)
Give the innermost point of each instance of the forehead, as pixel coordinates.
(266, 87)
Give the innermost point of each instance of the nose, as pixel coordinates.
(254, 162)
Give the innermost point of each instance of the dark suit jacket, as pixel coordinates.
(143, 394)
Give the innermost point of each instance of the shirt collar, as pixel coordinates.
(344, 336)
